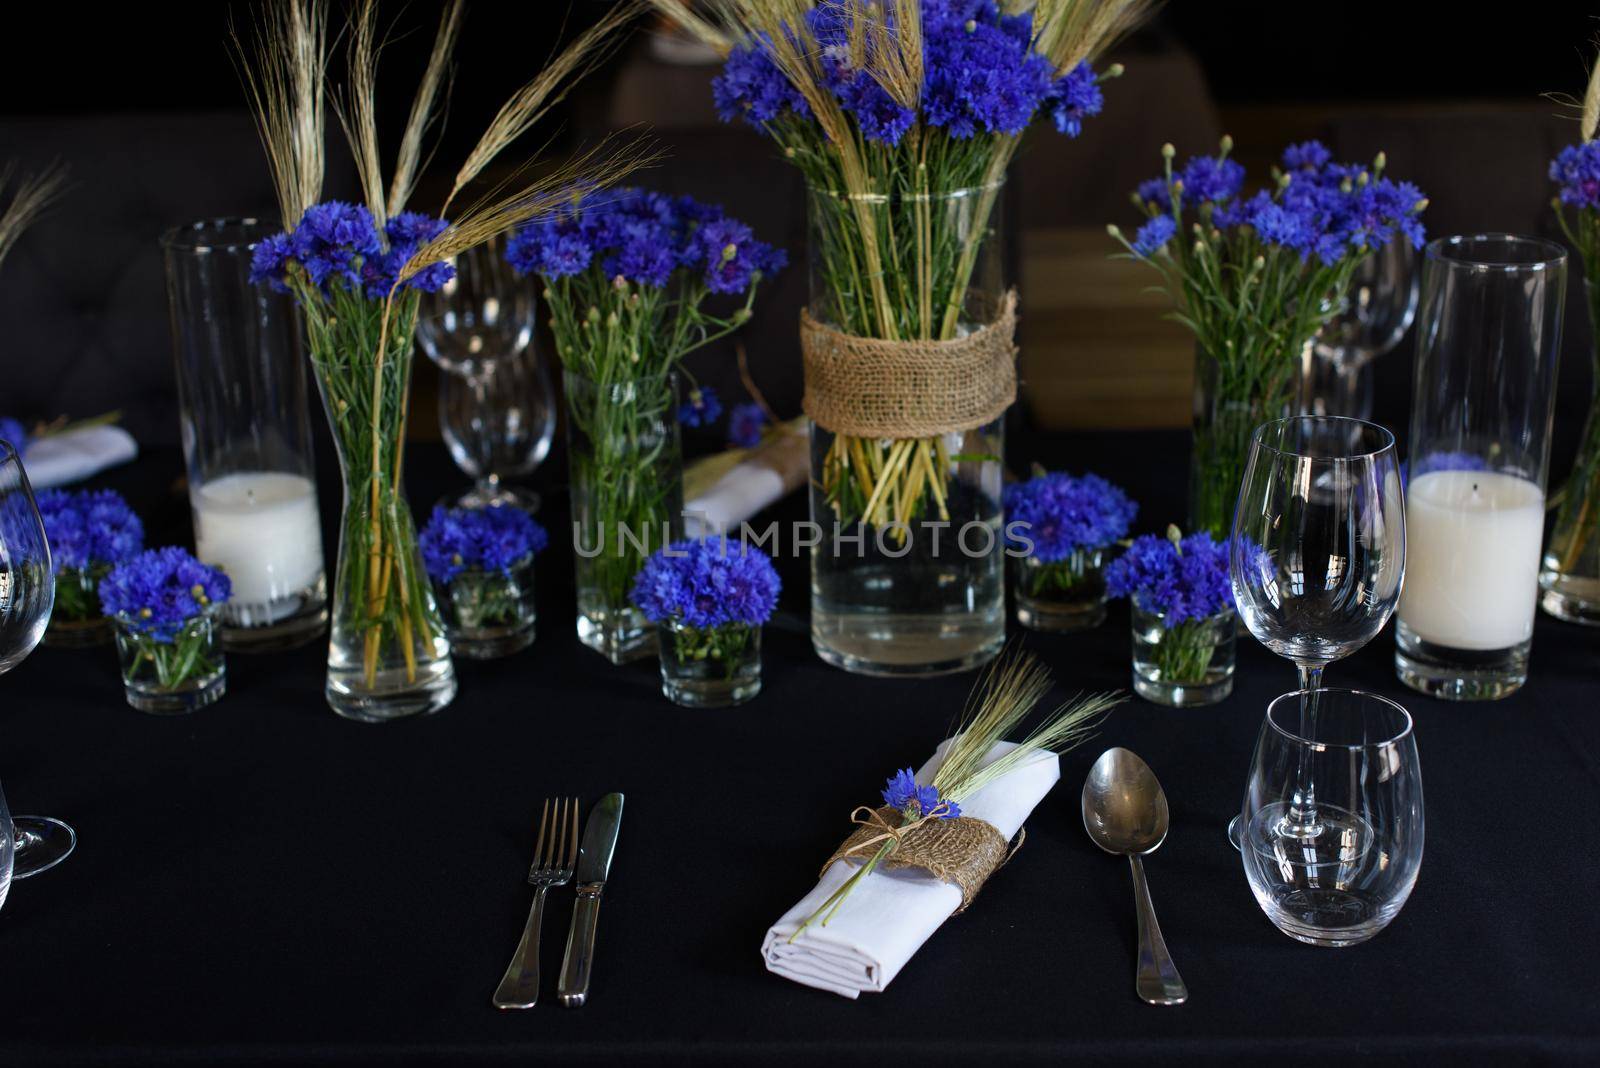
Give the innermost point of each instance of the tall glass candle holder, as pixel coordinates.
(246, 435)
(1482, 404)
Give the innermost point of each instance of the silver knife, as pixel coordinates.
(594, 863)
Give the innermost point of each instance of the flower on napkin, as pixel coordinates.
(160, 590)
(914, 801)
(493, 539)
(745, 424)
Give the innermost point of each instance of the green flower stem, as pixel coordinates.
(176, 662)
(726, 644)
(78, 592)
(838, 897)
(626, 340)
(1061, 576)
(1184, 652)
(1578, 520)
(379, 583)
(485, 599)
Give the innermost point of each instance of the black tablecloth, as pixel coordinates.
(263, 881)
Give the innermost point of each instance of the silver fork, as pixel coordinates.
(554, 857)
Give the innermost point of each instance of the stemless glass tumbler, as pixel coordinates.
(1344, 880)
(1482, 405)
(246, 435)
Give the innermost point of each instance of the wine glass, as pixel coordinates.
(1319, 546)
(1379, 309)
(27, 593)
(1344, 884)
(495, 402)
(499, 425)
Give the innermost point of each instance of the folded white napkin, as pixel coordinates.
(891, 913)
(74, 455)
(771, 470)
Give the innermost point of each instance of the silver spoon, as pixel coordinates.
(1125, 813)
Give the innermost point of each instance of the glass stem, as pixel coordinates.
(1301, 819)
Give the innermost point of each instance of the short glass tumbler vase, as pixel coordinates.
(171, 677)
(710, 668)
(488, 614)
(1060, 595)
(76, 622)
(1184, 665)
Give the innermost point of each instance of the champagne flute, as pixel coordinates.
(27, 593)
(1318, 551)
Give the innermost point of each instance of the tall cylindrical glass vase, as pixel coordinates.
(1482, 404)
(909, 358)
(246, 435)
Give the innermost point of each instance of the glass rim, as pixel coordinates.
(1451, 250)
(1387, 437)
(199, 235)
(9, 453)
(1408, 724)
(885, 198)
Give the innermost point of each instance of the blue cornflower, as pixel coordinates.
(1180, 581)
(493, 539)
(1154, 235)
(89, 529)
(733, 258)
(1075, 96)
(1306, 156)
(702, 407)
(752, 88)
(1067, 514)
(745, 424)
(159, 591)
(1210, 179)
(1576, 169)
(13, 431)
(1155, 192)
(269, 261)
(915, 801)
(708, 583)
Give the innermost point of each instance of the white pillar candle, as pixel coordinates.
(261, 528)
(1472, 558)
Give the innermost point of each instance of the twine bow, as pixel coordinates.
(963, 851)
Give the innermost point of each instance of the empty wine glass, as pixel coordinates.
(495, 402)
(1319, 545)
(498, 426)
(27, 593)
(1344, 884)
(1379, 308)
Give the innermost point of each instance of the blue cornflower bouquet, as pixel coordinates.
(633, 280)
(165, 601)
(1183, 580)
(1063, 522)
(713, 595)
(903, 117)
(1576, 172)
(90, 532)
(1254, 277)
(478, 559)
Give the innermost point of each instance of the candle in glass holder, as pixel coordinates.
(261, 528)
(1472, 558)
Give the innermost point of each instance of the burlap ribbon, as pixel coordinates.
(869, 388)
(963, 851)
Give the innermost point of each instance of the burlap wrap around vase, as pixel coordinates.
(963, 851)
(870, 388)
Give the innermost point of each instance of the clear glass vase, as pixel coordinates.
(77, 622)
(1570, 576)
(388, 656)
(489, 614)
(1063, 595)
(172, 677)
(1188, 664)
(907, 561)
(238, 352)
(1227, 410)
(711, 668)
(626, 468)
